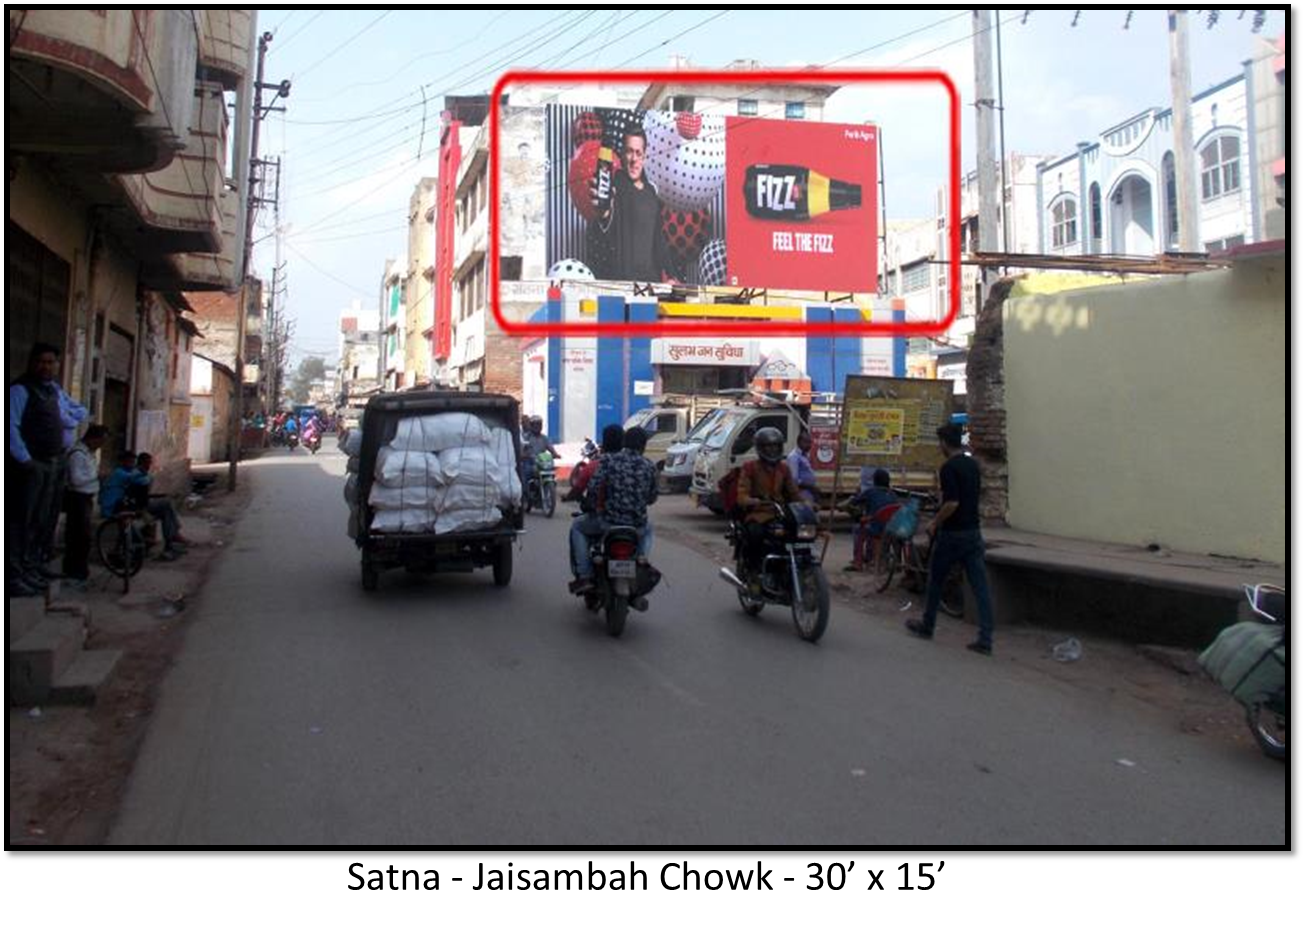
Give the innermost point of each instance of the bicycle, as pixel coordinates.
(903, 554)
(121, 546)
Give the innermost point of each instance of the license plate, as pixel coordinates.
(622, 569)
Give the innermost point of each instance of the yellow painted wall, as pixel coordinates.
(1153, 411)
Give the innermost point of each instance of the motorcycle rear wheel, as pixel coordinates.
(549, 500)
(617, 614)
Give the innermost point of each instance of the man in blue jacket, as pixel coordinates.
(43, 423)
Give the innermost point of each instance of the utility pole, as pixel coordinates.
(985, 112)
(1179, 72)
(251, 208)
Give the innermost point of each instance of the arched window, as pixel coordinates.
(1220, 167)
(1064, 222)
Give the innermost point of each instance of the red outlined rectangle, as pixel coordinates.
(744, 327)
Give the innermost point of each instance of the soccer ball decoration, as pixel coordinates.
(685, 233)
(569, 269)
(711, 266)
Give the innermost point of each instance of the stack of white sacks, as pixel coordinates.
(443, 473)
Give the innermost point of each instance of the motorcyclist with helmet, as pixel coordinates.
(761, 483)
(534, 442)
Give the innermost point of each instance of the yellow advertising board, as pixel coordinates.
(893, 422)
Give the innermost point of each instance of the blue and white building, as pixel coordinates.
(1118, 194)
(579, 385)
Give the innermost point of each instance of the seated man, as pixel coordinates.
(871, 500)
(588, 526)
(763, 482)
(623, 486)
(534, 442)
(127, 488)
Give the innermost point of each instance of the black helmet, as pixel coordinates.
(769, 445)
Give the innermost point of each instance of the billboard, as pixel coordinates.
(709, 200)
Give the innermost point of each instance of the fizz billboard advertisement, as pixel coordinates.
(710, 200)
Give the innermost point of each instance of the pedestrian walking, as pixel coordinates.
(957, 538)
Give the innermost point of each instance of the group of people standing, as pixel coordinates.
(50, 470)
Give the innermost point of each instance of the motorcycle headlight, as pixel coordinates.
(806, 531)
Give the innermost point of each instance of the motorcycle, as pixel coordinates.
(291, 439)
(1249, 660)
(541, 487)
(621, 579)
(313, 443)
(790, 574)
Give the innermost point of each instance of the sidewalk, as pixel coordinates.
(68, 764)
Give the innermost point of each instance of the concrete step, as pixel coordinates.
(40, 656)
(82, 681)
(24, 614)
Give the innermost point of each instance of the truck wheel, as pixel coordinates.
(503, 565)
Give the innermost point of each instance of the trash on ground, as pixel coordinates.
(858, 773)
(314, 730)
(1126, 763)
(1069, 650)
(907, 606)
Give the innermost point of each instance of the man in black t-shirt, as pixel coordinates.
(957, 538)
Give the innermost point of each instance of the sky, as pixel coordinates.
(357, 136)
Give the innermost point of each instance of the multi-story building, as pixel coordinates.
(126, 188)
(359, 351)
(1118, 194)
(393, 326)
(923, 276)
(478, 355)
(1266, 72)
(419, 311)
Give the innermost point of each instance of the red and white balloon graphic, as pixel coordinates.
(685, 157)
(583, 168)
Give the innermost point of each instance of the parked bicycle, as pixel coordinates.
(122, 545)
(901, 552)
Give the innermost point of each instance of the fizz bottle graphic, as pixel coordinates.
(787, 191)
(605, 170)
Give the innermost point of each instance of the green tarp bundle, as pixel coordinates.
(1249, 661)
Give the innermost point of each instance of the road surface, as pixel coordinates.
(442, 710)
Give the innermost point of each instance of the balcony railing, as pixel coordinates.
(199, 271)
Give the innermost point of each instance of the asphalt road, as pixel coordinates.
(442, 710)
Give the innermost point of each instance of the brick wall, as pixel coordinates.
(502, 363)
(986, 402)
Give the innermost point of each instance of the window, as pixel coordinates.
(1064, 223)
(1096, 226)
(509, 267)
(794, 110)
(1224, 244)
(1170, 198)
(748, 108)
(1220, 167)
(682, 104)
(915, 277)
(662, 424)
